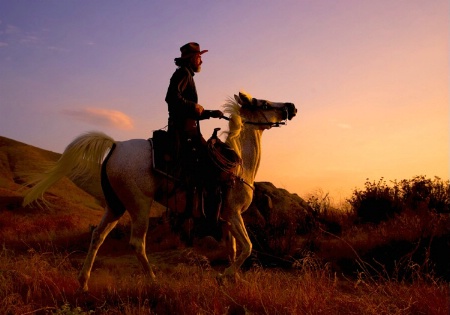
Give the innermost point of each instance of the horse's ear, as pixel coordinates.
(245, 98)
(238, 100)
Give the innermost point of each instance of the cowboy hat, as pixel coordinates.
(191, 49)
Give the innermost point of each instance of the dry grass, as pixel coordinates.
(47, 281)
(43, 280)
(34, 281)
(406, 226)
(24, 228)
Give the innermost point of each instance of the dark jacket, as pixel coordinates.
(181, 99)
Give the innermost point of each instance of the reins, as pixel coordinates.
(240, 179)
(223, 163)
(257, 123)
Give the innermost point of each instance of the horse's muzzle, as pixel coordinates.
(291, 111)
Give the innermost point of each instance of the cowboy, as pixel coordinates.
(182, 100)
(184, 117)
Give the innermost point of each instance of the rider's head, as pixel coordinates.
(191, 56)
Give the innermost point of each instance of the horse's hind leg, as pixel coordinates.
(99, 234)
(139, 227)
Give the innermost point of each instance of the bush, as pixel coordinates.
(326, 215)
(378, 201)
(434, 193)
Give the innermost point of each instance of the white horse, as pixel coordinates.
(128, 169)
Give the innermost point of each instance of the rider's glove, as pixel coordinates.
(216, 114)
(207, 114)
(198, 109)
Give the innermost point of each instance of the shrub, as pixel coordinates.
(434, 193)
(379, 201)
(327, 215)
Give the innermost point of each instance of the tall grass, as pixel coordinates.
(46, 282)
(34, 281)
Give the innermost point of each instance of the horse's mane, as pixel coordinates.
(232, 108)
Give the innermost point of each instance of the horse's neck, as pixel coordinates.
(251, 153)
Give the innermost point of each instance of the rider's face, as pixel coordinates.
(196, 62)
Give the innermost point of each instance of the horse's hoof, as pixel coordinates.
(82, 290)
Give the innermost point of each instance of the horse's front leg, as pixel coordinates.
(230, 242)
(239, 233)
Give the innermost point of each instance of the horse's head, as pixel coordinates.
(264, 113)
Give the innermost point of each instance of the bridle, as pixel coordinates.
(266, 107)
(259, 123)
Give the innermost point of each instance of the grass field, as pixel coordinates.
(39, 276)
(45, 282)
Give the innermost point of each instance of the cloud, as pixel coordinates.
(101, 117)
(57, 49)
(16, 35)
(11, 29)
(29, 39)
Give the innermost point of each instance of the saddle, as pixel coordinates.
(218, 172)
(163, 153)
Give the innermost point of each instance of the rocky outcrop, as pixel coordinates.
(275, 217)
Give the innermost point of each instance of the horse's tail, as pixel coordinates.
(83, 156)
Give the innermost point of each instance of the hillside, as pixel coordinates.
(19, 160)
(72, 208)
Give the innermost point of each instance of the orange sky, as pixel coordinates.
(370, 78)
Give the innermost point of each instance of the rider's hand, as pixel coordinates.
(198, 110)
(216, 114)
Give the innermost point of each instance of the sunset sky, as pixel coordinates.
(370, 78)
